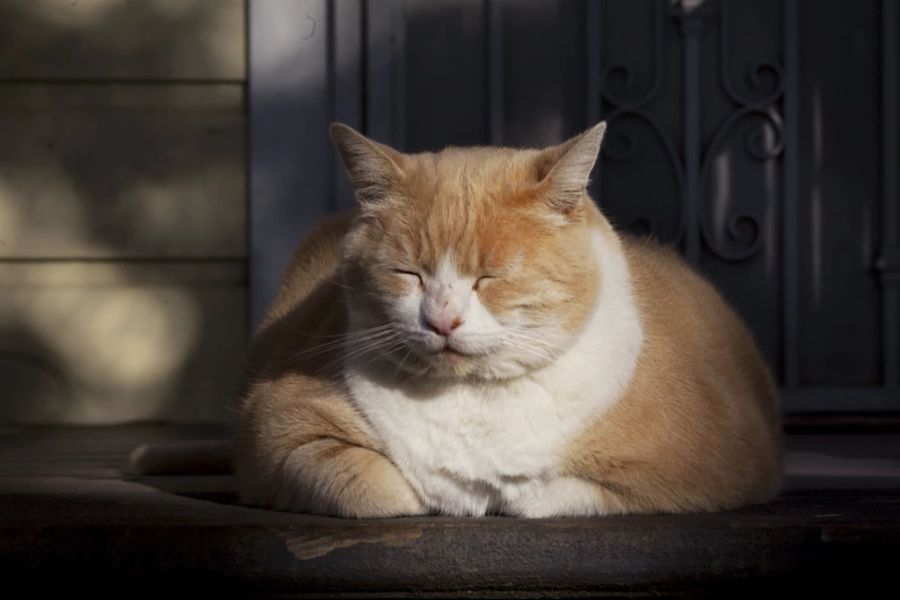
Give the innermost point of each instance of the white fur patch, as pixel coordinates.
(560, 497)
(473, 448)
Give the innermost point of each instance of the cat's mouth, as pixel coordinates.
(449, 351)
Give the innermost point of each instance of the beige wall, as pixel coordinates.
(122, 208)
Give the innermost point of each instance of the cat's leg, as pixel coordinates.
(331, 477)
(560, 497)
(302, 447)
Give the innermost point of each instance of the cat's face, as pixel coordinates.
(471, 262)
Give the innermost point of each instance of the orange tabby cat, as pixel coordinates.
(476, 338)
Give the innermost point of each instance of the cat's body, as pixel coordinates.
(540, 364)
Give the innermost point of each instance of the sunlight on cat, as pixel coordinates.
(477, 339)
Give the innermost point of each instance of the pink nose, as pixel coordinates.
(444, 326)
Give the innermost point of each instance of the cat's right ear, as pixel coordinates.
(374, 169)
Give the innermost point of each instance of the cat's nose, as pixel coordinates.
(444, 325)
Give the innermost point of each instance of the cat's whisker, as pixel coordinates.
(372, 342)
(342, 285)
(532, 350)
(376, 329)
(353, 337)
(339, 361)
(542, 332)
(403, 361)
(531, 339)
(286, 323)
(368, 346)
(383, 346)
(313, 352)
(385, 351)
(541, 337)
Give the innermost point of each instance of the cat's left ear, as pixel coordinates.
(566, 169)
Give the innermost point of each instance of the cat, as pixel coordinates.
(475, 338)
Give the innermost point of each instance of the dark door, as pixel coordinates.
(757, 136)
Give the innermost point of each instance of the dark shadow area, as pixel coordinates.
(108, 532)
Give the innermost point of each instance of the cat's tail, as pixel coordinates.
(206, 457)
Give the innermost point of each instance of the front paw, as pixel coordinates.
(356, 483)
(379, 491)
(560, 497)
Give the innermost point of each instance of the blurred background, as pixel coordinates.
(159, 160)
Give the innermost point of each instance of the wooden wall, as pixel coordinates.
(122, 208)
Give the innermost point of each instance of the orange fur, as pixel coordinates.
(696, 429)
(699, 426)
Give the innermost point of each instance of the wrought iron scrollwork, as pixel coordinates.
(755, 99)
(644, 224)
(764, 142)
(755, 74)
(758, 144)
(620, 89)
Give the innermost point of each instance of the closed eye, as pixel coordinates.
(406, 273)
(481, 280)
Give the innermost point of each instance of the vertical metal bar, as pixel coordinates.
(380, 86)
(331, 94)
(593, 98)
(345, 31)
(692, 27)
(890, 160)
(495, 87)
(791, 270)
(398, 63)
(592, 62)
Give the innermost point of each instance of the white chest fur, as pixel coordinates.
(470, 449)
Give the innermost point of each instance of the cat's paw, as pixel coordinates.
(355, 482)
(378, 490)
(561, 497)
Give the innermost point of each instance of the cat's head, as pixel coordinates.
(470, 262)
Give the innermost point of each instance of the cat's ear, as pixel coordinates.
(564, 170)
(374, 168)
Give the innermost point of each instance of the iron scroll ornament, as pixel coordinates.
(763, 143)
(761, 147)
(618, 85)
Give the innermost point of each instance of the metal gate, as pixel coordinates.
(759, 136)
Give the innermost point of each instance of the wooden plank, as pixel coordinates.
(121, 39)
(114, 534)
(112, 342)
(99, 452)
(122, 170)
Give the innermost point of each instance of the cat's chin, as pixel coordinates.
(443, 364)
(453, 365)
